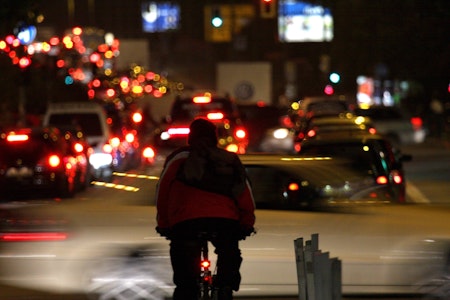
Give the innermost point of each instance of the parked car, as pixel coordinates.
(372, 153)
(220, 109)
(395, 124)
(38, 159)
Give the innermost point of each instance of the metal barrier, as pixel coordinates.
(319, 276)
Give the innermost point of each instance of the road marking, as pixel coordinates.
(414, 195)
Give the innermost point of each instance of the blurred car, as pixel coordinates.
(395, 124)
(372, 153)
(92, 120)
(81, 150)
(312, 182)
(113, 252)
(344, 122)
(221, 110)
(278, 140)
(310, 107)
(269, 127)
(33, 159)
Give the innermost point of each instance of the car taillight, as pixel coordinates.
(240, 133)
(129, 137)
(107, 148)
(148, 153)
(17, 137)
(300, 136)
(33, 236)
(78, 148)
(114, 142)
(382, 179)
(311, 133)
(416, 122)
(214, 116)
(293, 186)
(54, 161)
(372, 130)
(287, 122)
(178, 131)
(396, 177)
(232, 148)
(202, 99)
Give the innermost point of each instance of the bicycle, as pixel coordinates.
(207, 289)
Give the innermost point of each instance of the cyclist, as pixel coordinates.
(188, 205)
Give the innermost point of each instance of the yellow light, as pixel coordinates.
(137, 89)
(77, 30)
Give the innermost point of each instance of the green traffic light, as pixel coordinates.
(216, 22)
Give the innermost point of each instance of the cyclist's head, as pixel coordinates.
(202, 131)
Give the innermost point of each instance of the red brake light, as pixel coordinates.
(240, 133)
(137, 117)
(78, 147)
(311, 133)
(372, 130)
(215, 116)
(17, 137)
(178, 131)
(54, 161)
(293, 186)
(416, 122)
(129, 137)
(148, 152)
(205, 263)
(232, 148)
(382, 179)
(107, 148)
(397, 177)
(115, 142)
(33, 236)
(202, 99)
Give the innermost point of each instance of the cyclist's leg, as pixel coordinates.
(185, 258)
(229, 260)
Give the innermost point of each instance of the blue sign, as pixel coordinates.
(26, 34)
(160, 16)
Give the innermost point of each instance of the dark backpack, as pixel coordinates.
(214, 170)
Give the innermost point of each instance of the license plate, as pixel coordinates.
(19, 172)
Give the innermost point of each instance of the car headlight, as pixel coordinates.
(281, 133)
(98, 160)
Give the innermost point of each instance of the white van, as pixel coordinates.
(92, 119)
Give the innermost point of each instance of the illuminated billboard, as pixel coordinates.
(299, 21)
(160, 16)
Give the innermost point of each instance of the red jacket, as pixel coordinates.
(177, 202)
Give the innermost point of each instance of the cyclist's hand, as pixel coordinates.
(245, 232)
(163, 231)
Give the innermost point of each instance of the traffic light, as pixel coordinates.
(216, 17)
(268, 9)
